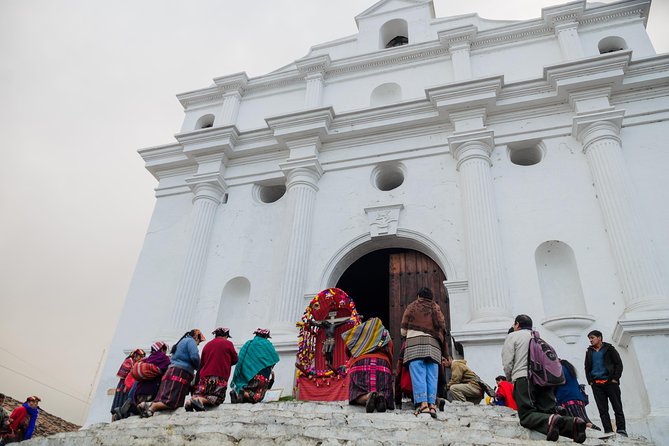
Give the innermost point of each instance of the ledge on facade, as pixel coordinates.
(483, 334)
(640, 324)
(569, 328)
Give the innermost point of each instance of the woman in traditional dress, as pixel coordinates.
(121, 394)
(218, 357)
(424, 327)
(176, 382)
(370, 368)
(23, 420)
(146, 390)
(253, 373)
(571, 396)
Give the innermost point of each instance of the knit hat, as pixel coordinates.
(222, 331)
(262, 332)
(33, 398)
(158, 345)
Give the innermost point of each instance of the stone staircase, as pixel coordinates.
(302, 423)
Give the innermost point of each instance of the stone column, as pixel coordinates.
(637, 270)
(233, 89)
(313, 70)
(208, 188)
(489, 294)
(301, 186)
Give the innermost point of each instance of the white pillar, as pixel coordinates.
(313, 96)
(208, 196)
(637, 270)
(489, 294)
(301, 187)
(462, 66)
(570, 42)
(230, 110)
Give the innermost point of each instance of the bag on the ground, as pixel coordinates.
(543, 366)
(142, 371)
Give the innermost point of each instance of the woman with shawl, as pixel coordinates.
(24, 419)
(146, 390)
(253, 373)
(424, 326)
(121, 394)
(176, 382)
(370, 369)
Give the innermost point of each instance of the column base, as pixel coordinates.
(652, 304)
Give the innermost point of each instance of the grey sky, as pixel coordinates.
(83, 85)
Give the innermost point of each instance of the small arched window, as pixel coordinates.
(611, 44)
(384, 94)
(394, 33)
(204, 122)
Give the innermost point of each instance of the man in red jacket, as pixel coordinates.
(24, 419)
(218, 356)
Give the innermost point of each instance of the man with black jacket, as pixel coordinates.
(603, 368)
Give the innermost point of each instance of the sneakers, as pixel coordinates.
(622, 432)
(578, 430)
(371, 403)
(555, 425)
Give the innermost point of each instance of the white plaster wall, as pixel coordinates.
(255, 107)
(517, 62)
(634, 34)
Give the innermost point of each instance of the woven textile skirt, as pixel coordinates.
(576, 408)
(119, 397)
(212, 388)
(371, 375)
(174, 387)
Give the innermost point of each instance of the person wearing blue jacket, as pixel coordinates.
(571, 395)
(177, 380)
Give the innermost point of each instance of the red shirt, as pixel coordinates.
(505, 391)
(18, 415)
(218, 356)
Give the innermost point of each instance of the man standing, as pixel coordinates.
(464, 383)
(603, 368)
(218, 357)
(536, 405)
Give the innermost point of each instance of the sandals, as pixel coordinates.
(433, 411)
(370, 406)
(144, 410)
(420, 410)
(380, 403)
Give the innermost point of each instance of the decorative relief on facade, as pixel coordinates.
(383, 220)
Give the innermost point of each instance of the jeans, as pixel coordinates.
(424, 374)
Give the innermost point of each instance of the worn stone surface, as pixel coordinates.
(325, 424)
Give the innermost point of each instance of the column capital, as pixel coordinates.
(233, 83)
(466, 94)
(458, 38)
(313, 123)
(474, 145)
(314, 65)
(570, 13)
(305, 171)
(590, 127)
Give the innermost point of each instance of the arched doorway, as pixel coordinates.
(383, 282)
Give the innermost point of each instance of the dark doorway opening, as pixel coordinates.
(367, 281)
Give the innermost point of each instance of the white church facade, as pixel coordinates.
(519, 165)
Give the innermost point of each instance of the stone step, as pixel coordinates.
(307, 423)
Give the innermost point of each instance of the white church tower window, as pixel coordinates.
(205, 122)
(394, 33)
(611, 44)
(384, 94)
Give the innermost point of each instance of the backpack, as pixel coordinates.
(543, 366)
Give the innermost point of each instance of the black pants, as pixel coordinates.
(603, 394)
(534, 412)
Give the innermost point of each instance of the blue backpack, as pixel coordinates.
(543, 365)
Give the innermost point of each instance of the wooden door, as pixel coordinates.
(409, 271)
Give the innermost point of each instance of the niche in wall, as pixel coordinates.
(233, 305)
(204, 122)
(388, 93)
(611, 44)
(561, 290)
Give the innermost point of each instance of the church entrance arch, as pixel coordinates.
(383, 282)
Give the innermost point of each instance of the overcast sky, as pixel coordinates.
(83, 85)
